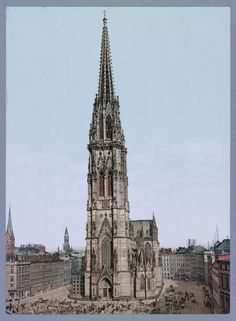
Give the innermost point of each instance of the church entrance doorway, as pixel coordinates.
(106, 288)
(105, 292)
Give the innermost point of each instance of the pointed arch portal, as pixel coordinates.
(106, 288)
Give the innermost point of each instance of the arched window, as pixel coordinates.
(149, 284)
(109, 184)
(101, 131)
(106, 253)
(101, 184)
(142, 282)
(109, 127)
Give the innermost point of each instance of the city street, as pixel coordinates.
(170, 301)
(193, 305)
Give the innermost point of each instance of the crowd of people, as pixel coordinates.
(74, 307)
(174, 299)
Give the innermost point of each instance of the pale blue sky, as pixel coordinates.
(171, 68)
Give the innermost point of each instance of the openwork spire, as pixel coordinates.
(9, 224)
(106, 86)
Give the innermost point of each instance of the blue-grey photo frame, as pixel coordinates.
(118, 3)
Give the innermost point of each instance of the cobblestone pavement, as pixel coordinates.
(57, 302)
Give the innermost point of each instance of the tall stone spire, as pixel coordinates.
(9, 224)
(106, 123)
(66, 245)
(111, 261)
(108, 205)
(106, 85)
(10, 238)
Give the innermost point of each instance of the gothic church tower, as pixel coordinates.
(10, 238)
(107, 272)
(66, 244)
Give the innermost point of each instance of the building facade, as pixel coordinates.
(209, 259)
(18, 284)
(122, 256)
(184, 264)
(36, 274)
(77, 288)
(224, 282)
(219, 280)
(47, 273)
(77, 274)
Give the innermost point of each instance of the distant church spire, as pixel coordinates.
(9, 224)
(10, 238)
(106, 90)
(66, 245)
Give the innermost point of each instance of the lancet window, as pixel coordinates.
(101, 129)
(142, 282)
(108, 127)
(109, 184)
(101, 185)
(106, 253)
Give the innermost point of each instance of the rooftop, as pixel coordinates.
(142, 226)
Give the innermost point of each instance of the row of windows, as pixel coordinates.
(142, 283)
(23, 269)
(24, 277)
(224, 267)
(102, 185)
